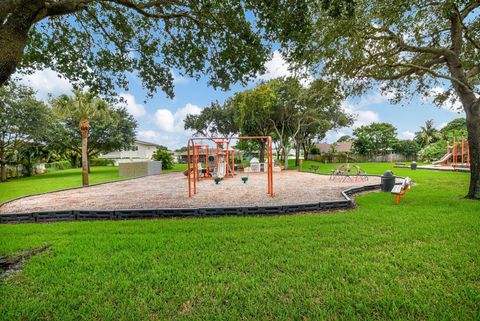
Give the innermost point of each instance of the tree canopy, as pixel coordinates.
(106, 133)
(283, 108)
(23, 120)
(430, 48)
(99, 42)
(375, 138)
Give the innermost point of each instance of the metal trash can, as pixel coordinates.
(413, 165)
(388, 181)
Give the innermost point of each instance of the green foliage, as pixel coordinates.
(29, 155)
(162, 147)
(457, 129)
(99, 43)
(433, 151)
(59, 165)
(428, 134)
(215, 120)
(102, 162)
(109, 129)
(345, 138)
(315, 151)
(458, 125)
(165, 157)
(81, 106)
(181, 149)
(408, 148)
(360, 49)
(23, 122)
(375, 138)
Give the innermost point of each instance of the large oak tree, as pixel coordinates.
(99, 42)
(407, 46)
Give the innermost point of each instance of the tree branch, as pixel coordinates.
(473, 72)
(6, 8)
(412, 70)
(406, 47)
(469, 8)
(456, 31)
(99, 24)
(426, 70)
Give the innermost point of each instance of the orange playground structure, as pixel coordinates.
(219, 161)
(458, 154)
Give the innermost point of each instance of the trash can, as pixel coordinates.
(413, 165)
(388, 181)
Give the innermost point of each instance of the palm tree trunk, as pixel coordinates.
(84, 128)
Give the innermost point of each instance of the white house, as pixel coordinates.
(140, 151)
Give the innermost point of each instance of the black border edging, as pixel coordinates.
(128, 214)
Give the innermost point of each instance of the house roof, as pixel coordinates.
(141, 142)
(343, 147)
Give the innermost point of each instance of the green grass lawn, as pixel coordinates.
(56, 180)
(419, 260)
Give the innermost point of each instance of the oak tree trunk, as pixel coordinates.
(262, 151)
(306, 152)
(84, 124)
(285, 157)
(471, 105)
(14, 36)
(473, 128)
(297, 154)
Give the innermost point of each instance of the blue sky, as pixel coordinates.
(160, 119)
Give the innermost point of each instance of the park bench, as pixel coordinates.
(401, 189)
(314, 168)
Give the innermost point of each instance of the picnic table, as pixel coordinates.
(350, 172)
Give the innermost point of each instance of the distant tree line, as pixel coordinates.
(293, 114)
(32, 131)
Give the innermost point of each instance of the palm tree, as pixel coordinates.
(81, 107)
(428, 134)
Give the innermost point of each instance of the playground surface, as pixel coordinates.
(171, 191)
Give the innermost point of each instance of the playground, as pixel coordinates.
(214, 178)
(171, 191)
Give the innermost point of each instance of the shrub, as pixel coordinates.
(102, 162)
(165, 157)
(60, 165)
(315, 151)
(433, 151)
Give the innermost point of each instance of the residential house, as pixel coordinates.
(140, 151)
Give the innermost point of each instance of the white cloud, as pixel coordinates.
(171, 141)
(134, 108)
(179, 79)
(174, 122)
(278, 67)
(46, 82)
(149, 135)
(362, 117)
(441, 125)
(407, 135)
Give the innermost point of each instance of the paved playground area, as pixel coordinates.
(171, 191)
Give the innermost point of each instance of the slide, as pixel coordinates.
(443, 159)
(221, 170)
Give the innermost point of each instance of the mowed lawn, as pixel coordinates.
(57, 180)
(419, 260)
